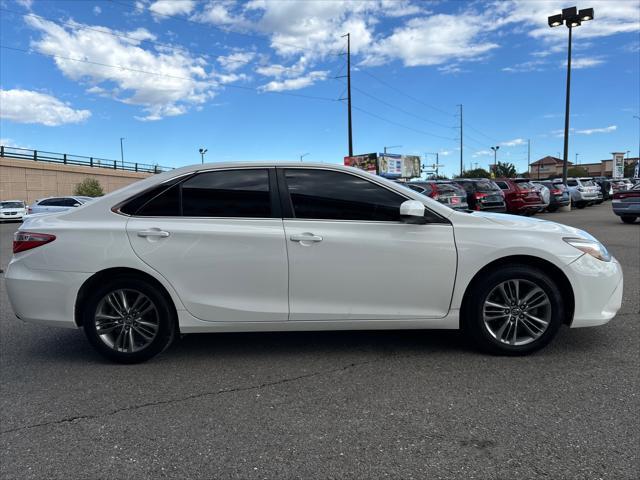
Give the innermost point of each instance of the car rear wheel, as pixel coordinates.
(514, 310)
(628, 219)
(128, 320)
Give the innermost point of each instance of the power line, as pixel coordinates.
(146, 72)
(415, 99)
(484, 135)
(400, 124)
(395, 107)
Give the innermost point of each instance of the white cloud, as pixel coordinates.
(514, 143)
(97, 10)
(482, 153)
(164, 81)
(172, 7)
(529, 66)
(235, 60)
(27, 106)
(26, 3)
(295, 83)
(591, 131)
(434, 40)
(583, 62)
(219, 12)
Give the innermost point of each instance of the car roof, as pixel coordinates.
(12, 201)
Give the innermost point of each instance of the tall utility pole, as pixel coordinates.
(529, 157)
(350, 133)
(122, 152)
(461, 157)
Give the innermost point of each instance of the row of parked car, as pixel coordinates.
(17, 209)
(521, 196)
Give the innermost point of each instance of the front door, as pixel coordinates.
(217, 240)
(351, 257)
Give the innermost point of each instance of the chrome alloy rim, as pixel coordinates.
(126, 320)
(516, 312)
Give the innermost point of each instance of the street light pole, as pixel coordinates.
(122, 152)
(202, 151)
(577, 159)
(571, 18)
(391, 146)
(304, 155)
(495, 157)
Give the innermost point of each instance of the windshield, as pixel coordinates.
(11, 205)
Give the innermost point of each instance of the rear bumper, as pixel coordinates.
(43, 296)
(626, 208)
(597, 288)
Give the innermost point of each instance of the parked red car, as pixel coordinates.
(520, 195)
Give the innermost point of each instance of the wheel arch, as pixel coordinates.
(109, 273)
(556, 274)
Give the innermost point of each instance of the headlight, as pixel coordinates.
(592, 247)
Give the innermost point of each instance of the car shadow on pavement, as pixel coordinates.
(68, 346)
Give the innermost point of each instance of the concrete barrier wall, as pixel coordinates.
(29, 180)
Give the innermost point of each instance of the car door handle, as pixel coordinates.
(305, 237)
(153, 233)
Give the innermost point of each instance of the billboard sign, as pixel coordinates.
(618, 165)
(367, 162)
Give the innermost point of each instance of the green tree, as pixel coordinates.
(577, 172)
(505, 170)
(89, 187)
(475, 173)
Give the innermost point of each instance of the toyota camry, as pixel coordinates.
(281, 247)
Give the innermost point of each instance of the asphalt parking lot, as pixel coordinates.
(328, 405)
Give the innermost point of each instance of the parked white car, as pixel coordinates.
(12, 209)
(57, 204)
(545, 193)
(583, 191)
(273, 247)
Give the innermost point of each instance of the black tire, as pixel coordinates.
(472, 319)
(628, 219)
(580, 205)
(552, 209)
(163, 314)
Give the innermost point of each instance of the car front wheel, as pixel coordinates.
(514, 310)
(628, 219)
(128, 320)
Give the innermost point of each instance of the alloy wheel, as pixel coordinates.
(126, 320)
(517, 312)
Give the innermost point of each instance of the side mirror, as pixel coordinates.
(412, 211)
(77, 204)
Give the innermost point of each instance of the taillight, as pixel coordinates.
(556, 191)
(27, 240)
(435, 196)
(29, 210)
(479, 195)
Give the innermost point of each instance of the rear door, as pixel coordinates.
(352, 258)
(218, 238)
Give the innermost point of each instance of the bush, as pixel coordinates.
(475, 173)
(89, 187)
(577, 172)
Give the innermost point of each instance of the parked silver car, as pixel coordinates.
(57, 204)
(583, 191)
(12, 210)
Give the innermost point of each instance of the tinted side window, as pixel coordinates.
(230, 193)
(68, 202)
(572, 183)
(49, 202)
(165, 203)
(503, 185)
(324, 194)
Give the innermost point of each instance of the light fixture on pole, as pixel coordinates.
(202, 151)
(436, 166)
(390, 147)
(304, 155)
(571, 17)
(495, 157)
(577, 158)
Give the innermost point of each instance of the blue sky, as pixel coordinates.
(255, 80)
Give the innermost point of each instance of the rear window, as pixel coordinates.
(524, 184)
(447, 188)
(587, 183)
(503, 185)
(486, 186)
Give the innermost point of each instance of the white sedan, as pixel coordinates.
(277, 246)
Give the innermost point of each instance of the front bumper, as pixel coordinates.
(43, 296)
(597, 288)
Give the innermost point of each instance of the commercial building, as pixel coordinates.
(550, 166)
